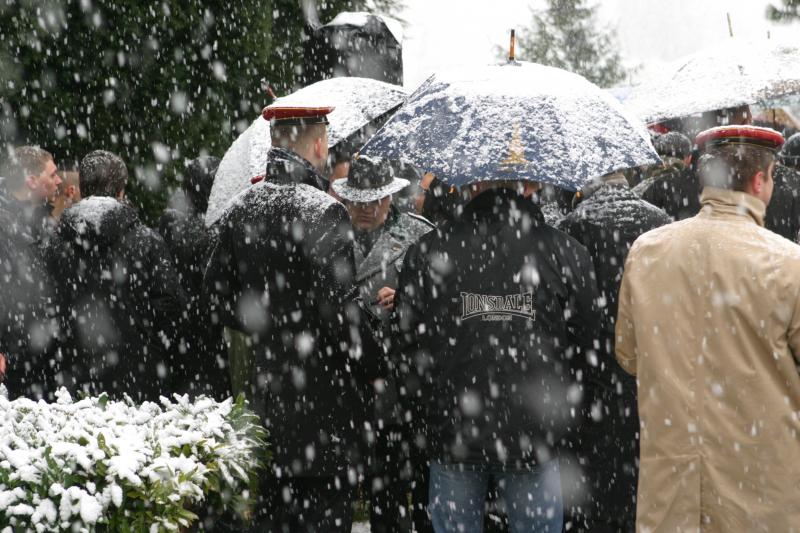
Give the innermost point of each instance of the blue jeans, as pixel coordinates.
(531, 498)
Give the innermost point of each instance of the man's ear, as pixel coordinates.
(319, 148)
(69, 192)
(30, 182)
(757, 181)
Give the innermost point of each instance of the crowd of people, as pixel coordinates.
(456, 352)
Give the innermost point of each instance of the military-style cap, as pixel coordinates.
(750, 135)
(369, 180)
(296, 116)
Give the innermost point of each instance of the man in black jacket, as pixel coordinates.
(282, 271)
(117, 293)
(496, 319)
(29, 183)
(673, 187)
(609, 217)
(783, 211)
(206, 368)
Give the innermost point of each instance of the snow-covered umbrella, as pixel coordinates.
(357, 102)
(730, 75)
(519, 121)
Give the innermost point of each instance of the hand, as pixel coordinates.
(2, 368)
(386, 298)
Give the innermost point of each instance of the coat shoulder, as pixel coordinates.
(411, 227)
(779, 244)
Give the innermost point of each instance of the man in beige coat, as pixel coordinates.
(709, 322)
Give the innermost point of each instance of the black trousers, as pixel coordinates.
(304, 504)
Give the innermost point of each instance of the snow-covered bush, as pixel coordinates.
(101, 465)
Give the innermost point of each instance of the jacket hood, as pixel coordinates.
(99, 219)
(502, 204)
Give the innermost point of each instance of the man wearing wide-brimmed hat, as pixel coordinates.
(382, 235)
(709, 322)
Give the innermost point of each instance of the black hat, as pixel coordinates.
(790, 154)
(674, 144)
(369, 180)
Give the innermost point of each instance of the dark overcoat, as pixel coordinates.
(205, 369)
(282, 270)
(607, 222)
(118, 301)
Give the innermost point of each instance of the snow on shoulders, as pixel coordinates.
(92, 209)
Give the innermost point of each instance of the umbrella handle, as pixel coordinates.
(511, 47)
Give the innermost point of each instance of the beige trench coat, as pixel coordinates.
(709, 322)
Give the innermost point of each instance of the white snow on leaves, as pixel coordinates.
(134, 445)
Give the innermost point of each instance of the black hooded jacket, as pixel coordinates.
(118, 301)
(676, 190)
(282, 270)
(495, 315)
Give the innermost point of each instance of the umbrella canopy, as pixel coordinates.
(519, 121)
(731, 75)
(357, 102)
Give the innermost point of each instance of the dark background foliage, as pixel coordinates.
(786, 11)
(155, 82)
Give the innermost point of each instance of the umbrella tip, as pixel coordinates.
(511, 47)
(267, 88)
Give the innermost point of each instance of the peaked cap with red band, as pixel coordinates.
(296, 116)
(751, 135)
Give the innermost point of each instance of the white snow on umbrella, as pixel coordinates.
(730, 75)
(356, 102)
(360, 19)
(520, 122)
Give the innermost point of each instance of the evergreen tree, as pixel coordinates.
(789, 12)
(155, 82)
(565, 35)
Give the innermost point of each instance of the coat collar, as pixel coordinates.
(388, 243)
(286, 166)
(725, 204)
(500, 204)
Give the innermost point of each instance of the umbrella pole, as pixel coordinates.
(730, 24)
(512, 45)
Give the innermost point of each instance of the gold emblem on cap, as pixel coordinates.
(516, 150)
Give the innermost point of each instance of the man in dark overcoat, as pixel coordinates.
(117, 297)
(607, 218)
(282, 271)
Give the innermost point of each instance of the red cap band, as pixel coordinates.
(753, 135)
